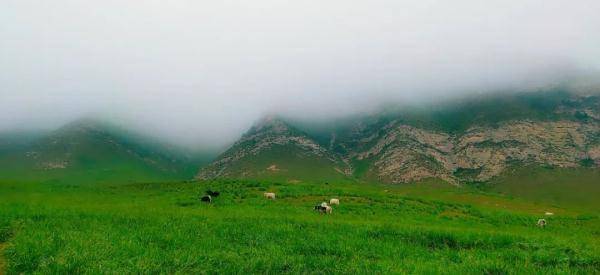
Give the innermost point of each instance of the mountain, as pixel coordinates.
(404, 153)
(479, 139)
(92, 151)
(12, 141)
(471, 140)
(273, 149)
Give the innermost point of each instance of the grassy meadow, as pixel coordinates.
(430, 227)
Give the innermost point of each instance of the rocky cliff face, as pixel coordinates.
(563, 131)
(267, 135)
(404, 153)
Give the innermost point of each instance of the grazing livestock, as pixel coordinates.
(206, 198)
(334, 201)
(541, 223)
(323, 204)
(549, 214)
(213, 193)
(323, 209)
(270, 196)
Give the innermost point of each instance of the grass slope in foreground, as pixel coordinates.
(162, 228)
(573, 188)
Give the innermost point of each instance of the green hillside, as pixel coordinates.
(572, 187)
(274, 150)
(14, 141)
(93, 151)
(287, 163)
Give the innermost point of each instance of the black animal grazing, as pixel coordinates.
(319, 208)
(213, 193)
(206, 198)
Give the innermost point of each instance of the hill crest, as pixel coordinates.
(274, 149)
(94, 150)
(475, 141)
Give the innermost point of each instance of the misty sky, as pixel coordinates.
(202, 71)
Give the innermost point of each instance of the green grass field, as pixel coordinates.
(429, 227)
(573, 188)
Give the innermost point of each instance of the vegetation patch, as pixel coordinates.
(467, 174)
(162, 227)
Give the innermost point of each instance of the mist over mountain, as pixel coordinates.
(91, 150)
(300, 137)
(475, 139)
(200, 73)
(187, 80)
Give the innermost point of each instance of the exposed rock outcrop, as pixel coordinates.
(481, 143)
(265, 135)
(407, 153)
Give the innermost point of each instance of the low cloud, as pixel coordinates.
(201, 72)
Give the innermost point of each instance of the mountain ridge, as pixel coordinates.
(92, 150)
(475, 141)
(272, 135)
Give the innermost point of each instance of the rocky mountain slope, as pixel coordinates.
(273, 149)
(473, 142)
(405, 153)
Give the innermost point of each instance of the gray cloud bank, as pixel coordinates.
(200, 72)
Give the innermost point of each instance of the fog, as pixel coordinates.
(200, 72)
